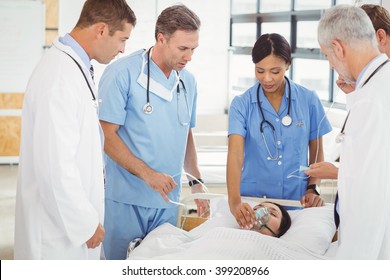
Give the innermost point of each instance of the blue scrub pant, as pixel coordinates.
(125, 222)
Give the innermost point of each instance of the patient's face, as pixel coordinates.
(274, 221)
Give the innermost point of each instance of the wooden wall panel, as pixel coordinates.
(11, 100)
(51, 21)
(9, 135)
(51, 14)
(10, 124)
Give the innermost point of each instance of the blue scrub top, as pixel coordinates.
(262, 177)
(159, 139)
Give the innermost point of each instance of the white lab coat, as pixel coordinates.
(364, 174)
(60, 189)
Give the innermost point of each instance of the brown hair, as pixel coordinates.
(177, 17)
(112, 12)
(379, 16)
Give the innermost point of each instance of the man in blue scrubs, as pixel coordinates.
(147, 111)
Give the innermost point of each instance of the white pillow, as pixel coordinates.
(311, 228)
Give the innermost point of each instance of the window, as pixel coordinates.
(244, 6)
(307, 34)
(268, 6)
(283, 28)
(250, 19)
(317, 80)
(245, 75)
(243, 34)
(312, 5)
(297, 21)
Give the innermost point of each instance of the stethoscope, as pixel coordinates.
(340, 136)
(286, 121)
(86, 80)
(148, 108)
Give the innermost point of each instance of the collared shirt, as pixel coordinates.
(373, 61)
(69, 41)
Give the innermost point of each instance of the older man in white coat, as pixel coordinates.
(59, 202)
(347, 38)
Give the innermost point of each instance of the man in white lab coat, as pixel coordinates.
(347, 38)
(59, 201)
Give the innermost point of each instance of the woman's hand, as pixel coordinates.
(244, 215)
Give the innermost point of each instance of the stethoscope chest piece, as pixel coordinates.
(340, 137)
(148, 108)
(287, 120)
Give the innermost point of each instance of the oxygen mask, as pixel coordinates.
(262, 218)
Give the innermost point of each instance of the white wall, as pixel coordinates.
(68, 14)
(386, 4)
(22, 29)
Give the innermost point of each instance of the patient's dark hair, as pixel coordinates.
(286, 220)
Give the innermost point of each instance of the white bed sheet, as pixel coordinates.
(168, 242)
(220, 238)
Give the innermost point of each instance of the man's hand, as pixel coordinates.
(322, 170)
(346, 87)
(97, 238)
(203, 205)
(161, 183)
(311, 199)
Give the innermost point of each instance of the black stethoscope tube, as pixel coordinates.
(85, 77)
(340, 136)
(148, 108)
(288, 120)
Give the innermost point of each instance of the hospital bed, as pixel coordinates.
(219, 237)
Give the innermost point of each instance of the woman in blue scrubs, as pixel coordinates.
(275, 127)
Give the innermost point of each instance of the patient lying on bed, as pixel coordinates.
(271, 219)
(308, 237)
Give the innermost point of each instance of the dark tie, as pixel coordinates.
(92, 72)
(336, 214)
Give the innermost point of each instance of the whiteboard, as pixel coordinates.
(22, 29)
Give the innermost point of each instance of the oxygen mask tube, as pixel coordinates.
(182, 204)
(302, 167)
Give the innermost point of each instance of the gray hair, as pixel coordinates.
(177, 17)
(348, 24)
